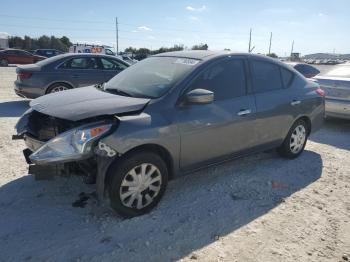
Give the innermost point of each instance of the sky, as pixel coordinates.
(315, 26)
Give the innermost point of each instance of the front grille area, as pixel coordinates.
(44, 127)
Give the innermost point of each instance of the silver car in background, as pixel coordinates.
(64, 72)
(336, 84)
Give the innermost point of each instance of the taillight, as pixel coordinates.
(24, 75)
(320, 92)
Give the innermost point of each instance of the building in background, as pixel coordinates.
(4, 40)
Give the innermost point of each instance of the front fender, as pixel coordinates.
(143, 129)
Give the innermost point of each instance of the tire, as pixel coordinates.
(295, 142)
(4, 62)
(130, 197)
(58, 87)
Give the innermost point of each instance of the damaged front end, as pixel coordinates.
(63, 147)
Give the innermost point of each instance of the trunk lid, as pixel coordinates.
(335, 87)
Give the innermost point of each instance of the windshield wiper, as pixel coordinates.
(118, 92)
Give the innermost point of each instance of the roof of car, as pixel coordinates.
(207, 55)
(85, 54)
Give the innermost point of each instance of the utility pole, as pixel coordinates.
(116, 34)
(270, 43)
(291, 52)
(250, 40)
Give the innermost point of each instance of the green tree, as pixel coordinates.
(200, 47)
(273, 55)
(42, 42)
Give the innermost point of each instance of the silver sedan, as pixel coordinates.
(336, 84)
(64, 72)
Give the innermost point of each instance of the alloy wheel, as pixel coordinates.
(3, 62)
(58, 89)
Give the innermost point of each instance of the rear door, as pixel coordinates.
(212, 131)
(278, 103)
(111, 67)
(83, 71)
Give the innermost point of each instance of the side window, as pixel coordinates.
(266, 76)
(22, 53)
(109, 64)
(287, 77)
(226, 79)
(108, 52)
(307, 70)
(80, 63)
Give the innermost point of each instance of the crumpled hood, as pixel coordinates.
(81, 103)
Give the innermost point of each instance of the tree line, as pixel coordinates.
(142, 53)
(42, 42)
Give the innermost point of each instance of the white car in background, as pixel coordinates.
(91, 49)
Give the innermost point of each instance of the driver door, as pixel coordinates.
(217, 130)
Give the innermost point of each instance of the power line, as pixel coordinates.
(54, 19)
(109, 22)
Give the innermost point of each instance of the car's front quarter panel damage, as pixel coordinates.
(136, 131)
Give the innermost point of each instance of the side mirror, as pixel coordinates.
(199, 96)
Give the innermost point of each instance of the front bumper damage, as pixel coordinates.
(96, 165)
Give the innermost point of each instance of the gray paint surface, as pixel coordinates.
(202, 134)
(77, 104)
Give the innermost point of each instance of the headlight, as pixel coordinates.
(72, 145)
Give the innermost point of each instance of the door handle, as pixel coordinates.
(75, 76)
(295, 102)
(244, 112)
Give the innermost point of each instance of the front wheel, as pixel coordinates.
(295, 141)
(137, 183)
(4, 62)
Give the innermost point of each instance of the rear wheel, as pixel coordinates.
(58, 88)
(295, 141)
(4, 62)
(137, 183)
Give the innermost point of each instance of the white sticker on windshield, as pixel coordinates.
(186, 61)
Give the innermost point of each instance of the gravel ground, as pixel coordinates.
(258, 208)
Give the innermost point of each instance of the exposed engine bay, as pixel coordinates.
(36, 129)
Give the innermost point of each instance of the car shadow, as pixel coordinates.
(197, 210)
(13, 108)
(333, 132)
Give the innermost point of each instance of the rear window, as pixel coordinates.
(111, 64)
(307, 70)
(266, 76)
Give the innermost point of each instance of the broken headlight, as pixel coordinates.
(74, 144)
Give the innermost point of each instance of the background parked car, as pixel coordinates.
(64, 72)
(47, 52)
(336, 84)
(17, 56)
(306, 70)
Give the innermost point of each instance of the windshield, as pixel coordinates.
(152, 77)
(340, 71)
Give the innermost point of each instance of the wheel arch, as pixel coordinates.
(307, 121)
(154, 148)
